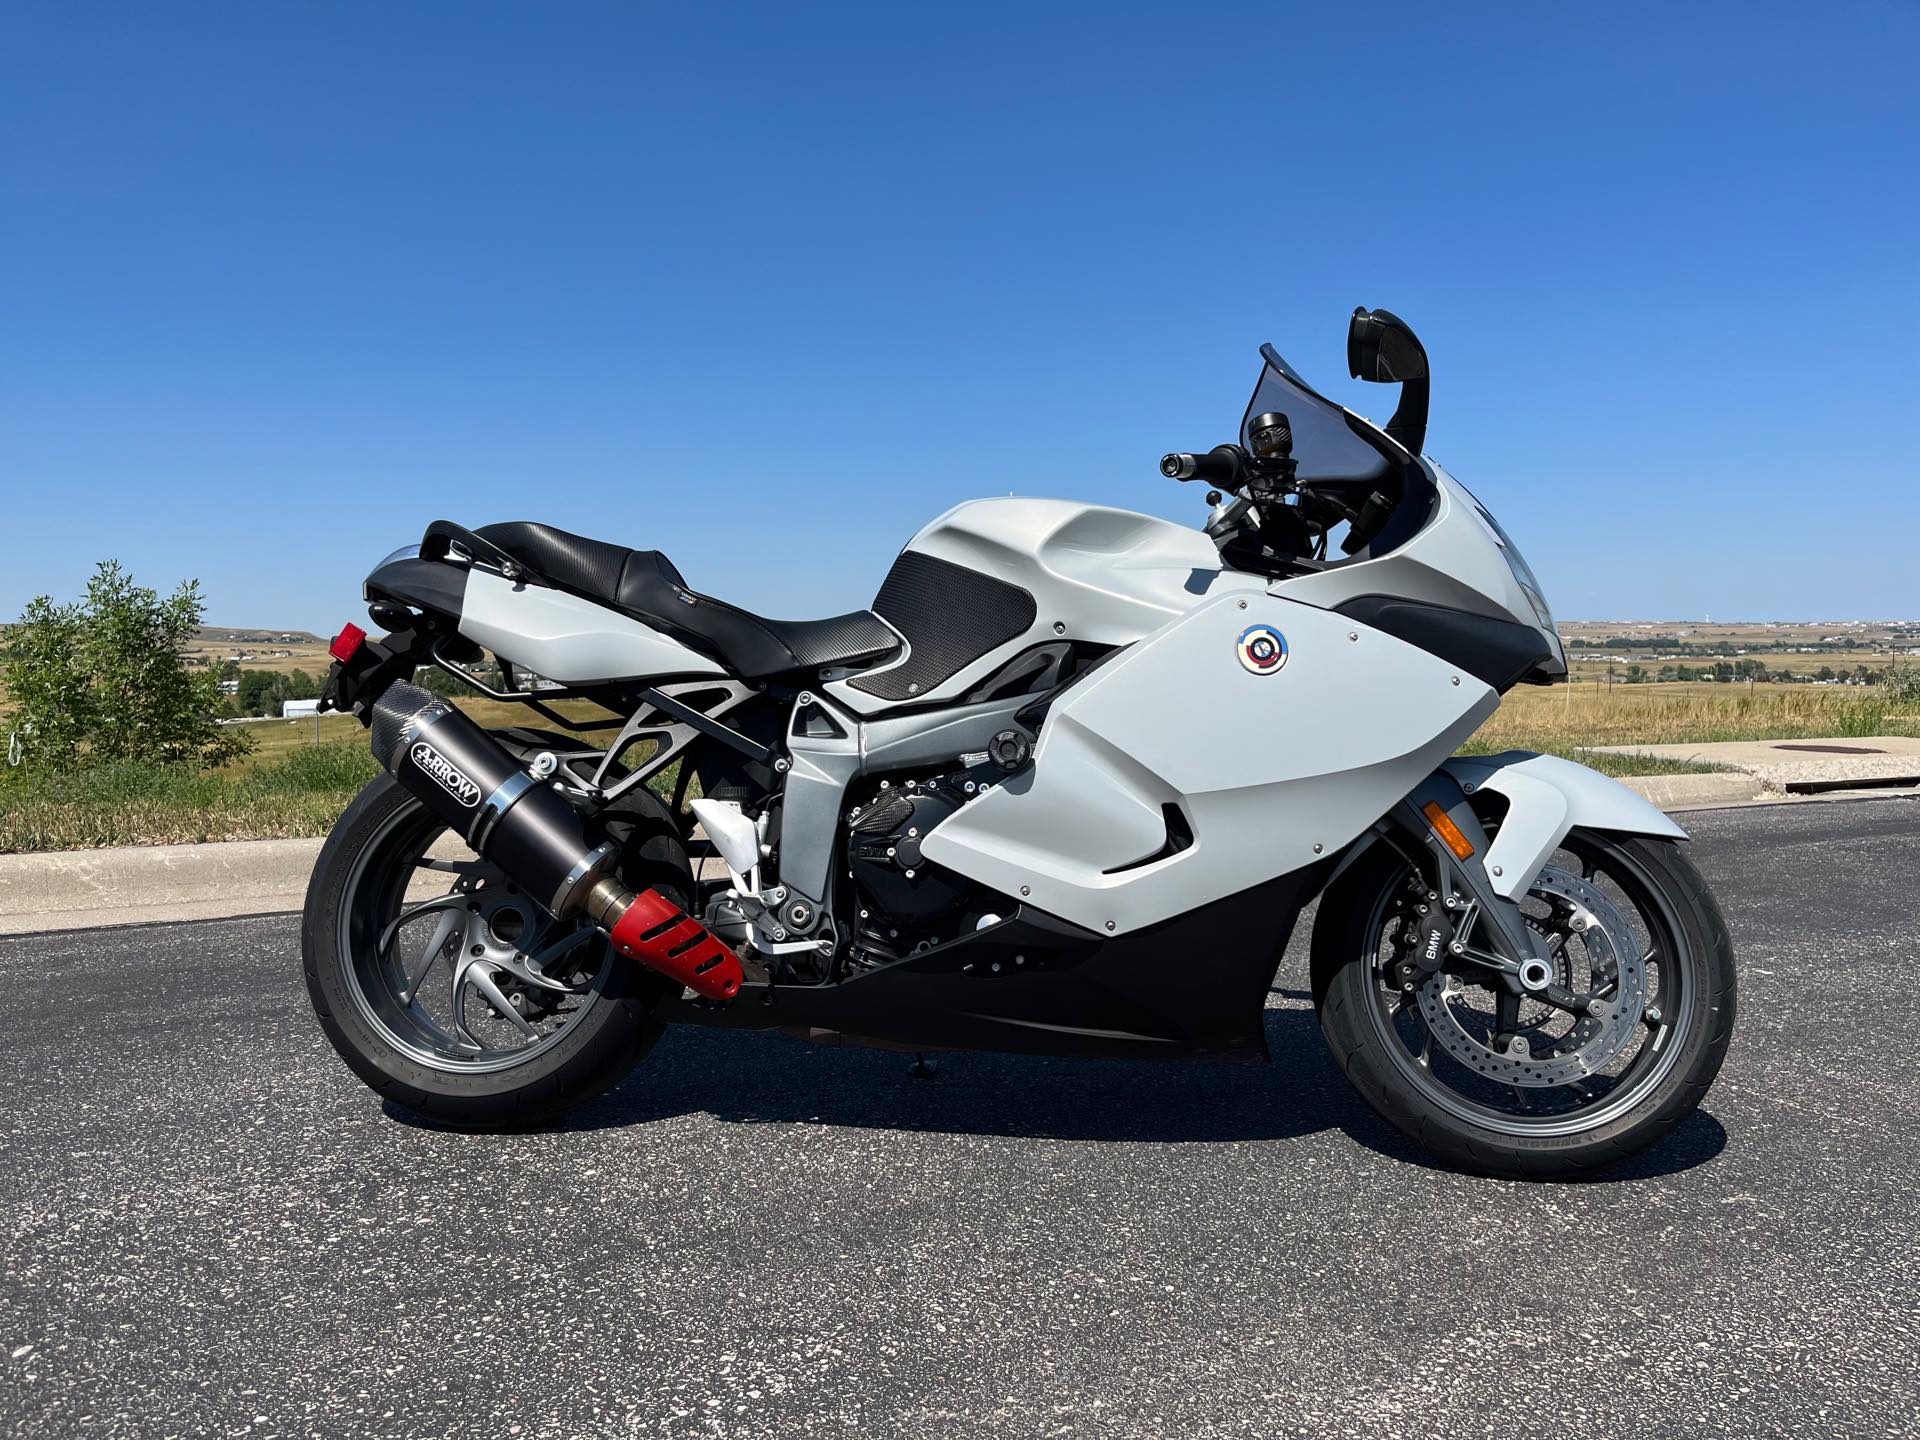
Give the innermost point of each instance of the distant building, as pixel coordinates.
(295, 709)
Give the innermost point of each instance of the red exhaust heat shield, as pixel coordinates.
(663, 937)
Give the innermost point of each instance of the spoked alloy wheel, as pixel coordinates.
(464, 1001)
(1502, 1078)
(476, 979)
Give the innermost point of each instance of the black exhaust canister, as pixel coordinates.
(469, 780)
(526, 827)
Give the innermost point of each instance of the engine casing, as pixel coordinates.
(904, 900)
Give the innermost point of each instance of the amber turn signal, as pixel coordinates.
(1444, 827)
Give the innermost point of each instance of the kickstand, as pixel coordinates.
(921, 1069)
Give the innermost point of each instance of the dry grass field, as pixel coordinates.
(294, 783)
(281, 651)
(302, 773)
(274, 740)
(1561, 718)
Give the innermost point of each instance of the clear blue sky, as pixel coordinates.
(767, 287)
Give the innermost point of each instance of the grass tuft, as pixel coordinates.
(126, 804)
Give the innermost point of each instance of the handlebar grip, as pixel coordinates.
(1219, 466)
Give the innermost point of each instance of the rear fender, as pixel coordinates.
(1546, 797)
(434, 586)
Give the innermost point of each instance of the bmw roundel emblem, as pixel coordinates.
(1262, 649)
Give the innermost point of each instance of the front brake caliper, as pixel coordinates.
(1426, 935)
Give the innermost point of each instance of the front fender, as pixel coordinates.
(1546, 797)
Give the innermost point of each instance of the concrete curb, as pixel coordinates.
(1809, 766)
(142, 884)
(1696, 792)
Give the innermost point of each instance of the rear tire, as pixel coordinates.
(356, 890)
(1355, 995)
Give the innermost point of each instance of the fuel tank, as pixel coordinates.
(993, 579)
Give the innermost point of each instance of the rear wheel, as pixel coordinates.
(452, 994)
(1506, 1083)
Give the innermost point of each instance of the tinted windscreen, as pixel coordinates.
(1323, 442)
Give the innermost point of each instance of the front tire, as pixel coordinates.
(1505, 1086)
(405, 1024)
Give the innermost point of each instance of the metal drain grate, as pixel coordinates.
(1834, 749)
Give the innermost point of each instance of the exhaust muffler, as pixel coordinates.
(523, 825)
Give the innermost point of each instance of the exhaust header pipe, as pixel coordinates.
(469, 780)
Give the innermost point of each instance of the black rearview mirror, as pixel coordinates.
(1382, 347)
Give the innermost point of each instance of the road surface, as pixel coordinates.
(210, 1228)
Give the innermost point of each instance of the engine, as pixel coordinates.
(905, 903)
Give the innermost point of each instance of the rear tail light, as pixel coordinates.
(347, 643)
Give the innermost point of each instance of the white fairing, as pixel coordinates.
(1457, 559)
(1272, 771)
(1547, 797)
(1096, 574)
(568, 639)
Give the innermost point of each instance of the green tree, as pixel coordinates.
(103, 678)
(436, 681)
(257, 694)
(265, 692)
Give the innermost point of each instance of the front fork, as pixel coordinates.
(1461, 918)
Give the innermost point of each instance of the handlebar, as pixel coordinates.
(1219, 466)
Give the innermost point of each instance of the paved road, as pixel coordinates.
(211, 1229)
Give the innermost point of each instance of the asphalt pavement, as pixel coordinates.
(211, 1228)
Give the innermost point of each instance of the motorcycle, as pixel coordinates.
(1065, 788)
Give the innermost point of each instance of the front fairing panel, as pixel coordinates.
(1272, 762)
(1456, 560)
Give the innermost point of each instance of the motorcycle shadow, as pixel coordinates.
(756, 1079)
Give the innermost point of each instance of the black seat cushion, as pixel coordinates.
(645, 584)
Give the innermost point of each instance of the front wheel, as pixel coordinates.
(1508, 1085)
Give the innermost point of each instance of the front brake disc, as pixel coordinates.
(1618, 978)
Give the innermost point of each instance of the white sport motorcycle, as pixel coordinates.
(1065, 788)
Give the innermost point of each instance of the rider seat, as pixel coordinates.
(645, 585)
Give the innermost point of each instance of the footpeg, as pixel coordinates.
(662, 936)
